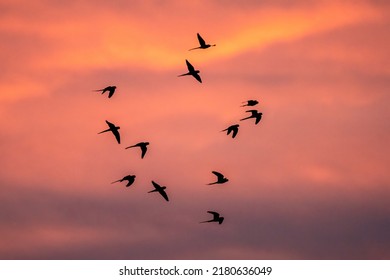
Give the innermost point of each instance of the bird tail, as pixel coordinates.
(194, 48)
(245, 118)
(152, 191)
(116, 181)
(130, 147)
(184, 74)
(104, 131)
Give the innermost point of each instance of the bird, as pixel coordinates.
(254, 114)
(232, 128)
(142, 145)
(202, 43)
(129, 178)
(161, 190)
(192, 71)
(220, 178)
(110, 89)
(114, 129)
(216, 218)
(250, 103)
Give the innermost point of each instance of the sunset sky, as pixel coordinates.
(310, 181)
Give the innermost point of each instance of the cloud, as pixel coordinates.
(308, 182)
(124, 226)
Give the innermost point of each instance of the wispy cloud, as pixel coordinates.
(309, 181)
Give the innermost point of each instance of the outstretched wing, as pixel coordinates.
(219, 175)
(215, 214)
(111, 125)
(156, 186)
(234, 128)
(164, 194)
(143, 150)
(196, 76)
(111, 92)
(201, 41)
(115, 131)
(258, 118)
(189, 66)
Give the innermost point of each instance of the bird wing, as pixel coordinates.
(215, 214)
(201, 41)
(130, 181)
(164, 194)
(116, 134)
(196, 76)
(235, 130)
(219, 175)
(128, 177)
(109, 124)
(143, 149)
(111, 92)
(189, 66)
(156, 186)
(258, 118)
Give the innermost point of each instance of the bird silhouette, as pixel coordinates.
(129, 178)
(216, 218)
(192, 71)
(114, 129)
(142, 145)
(250, 103)
(220, 178)
(202, 43)
(110, 89)
(161, 190)
(254, 114)
(232, 128)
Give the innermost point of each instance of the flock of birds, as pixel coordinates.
(233, 129)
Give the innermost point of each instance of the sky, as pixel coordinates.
(310, 181)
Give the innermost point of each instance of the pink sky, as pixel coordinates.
(310, 181)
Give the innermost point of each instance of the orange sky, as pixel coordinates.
(310, 181)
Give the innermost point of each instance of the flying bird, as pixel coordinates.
(202, 43)
(192, 71)
(129, 178)
(161, 190)
(110, 89)
(114, 129)
(232, 128)
(216, 218)
(250, 103)
(254, 114)
(220, 178)
(142, 145)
